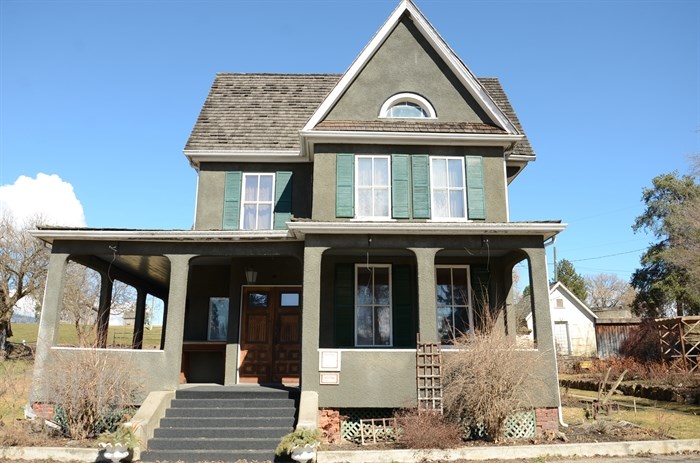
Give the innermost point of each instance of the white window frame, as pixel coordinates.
(373, 187)
(257, 202)
(469, 306)
(374, 306)
(433, 207)
(407, 97)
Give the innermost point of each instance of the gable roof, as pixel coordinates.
(249, 115)
(566, 292)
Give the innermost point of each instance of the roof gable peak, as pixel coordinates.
(455, 64)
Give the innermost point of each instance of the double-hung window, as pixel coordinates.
(258, 201)
(373, 187)
(454, 309)
(447, 188)
(373, 305)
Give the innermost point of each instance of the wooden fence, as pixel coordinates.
(680, 342)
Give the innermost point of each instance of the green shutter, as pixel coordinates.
(343, 303)
(400, 190)
(476, 203)
(232, 201)
(403, 297)
(283, 199)
(420, 171)
(344, 185)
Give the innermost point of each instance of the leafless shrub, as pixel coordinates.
(427, 430)
(483, 379)
(90, 390)
(642, 343)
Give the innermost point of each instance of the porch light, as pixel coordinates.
(250, 275)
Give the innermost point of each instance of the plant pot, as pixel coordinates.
(114, 451)
(304, 453)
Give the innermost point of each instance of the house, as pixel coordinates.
(573, 322)
(337, 218)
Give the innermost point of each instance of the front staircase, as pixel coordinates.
(224, 423)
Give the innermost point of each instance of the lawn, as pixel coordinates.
(679, 421)
(119, 336)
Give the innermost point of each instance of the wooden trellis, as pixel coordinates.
(680, 342)
(429, 376)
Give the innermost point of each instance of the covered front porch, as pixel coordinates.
(208, 283)
(369, 290)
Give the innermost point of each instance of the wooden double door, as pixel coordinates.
(270, 335)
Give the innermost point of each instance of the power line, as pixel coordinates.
(608, 255)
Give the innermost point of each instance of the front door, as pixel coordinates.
(270, 335)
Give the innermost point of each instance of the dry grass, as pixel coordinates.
(677, 421)
(67, 335)
(428, 430)
(15, 381)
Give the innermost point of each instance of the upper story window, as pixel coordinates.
(416, 186)
(447, 188)
(407, 106)
(258, 201)
(373, 187)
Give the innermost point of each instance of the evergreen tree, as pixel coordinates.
(662, 286)
(566, 273)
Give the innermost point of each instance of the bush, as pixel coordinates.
(482, 381)
(92, 392)
(642, 343)
(427, 430)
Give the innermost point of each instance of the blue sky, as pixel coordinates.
(103, 94)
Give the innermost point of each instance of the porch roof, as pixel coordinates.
(546, 229)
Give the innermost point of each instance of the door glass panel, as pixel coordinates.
(258, 300)
(289, 299)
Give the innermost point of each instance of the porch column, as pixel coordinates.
(427, 310)
(177, 297)
(50, 318)
(311, 317)
(104, 309)
(540, 298)
(139, 319)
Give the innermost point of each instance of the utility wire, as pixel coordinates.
(608, 255)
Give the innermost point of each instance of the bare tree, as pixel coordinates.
(23, 264)
(81, 296)
(608, 291)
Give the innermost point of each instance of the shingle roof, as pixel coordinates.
(258, 112)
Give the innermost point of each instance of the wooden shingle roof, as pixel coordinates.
(265, 112)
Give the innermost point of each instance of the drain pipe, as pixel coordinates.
(551, 242)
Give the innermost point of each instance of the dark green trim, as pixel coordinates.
(400, 189)
(476, 203)
(344, 305)
(232, 201)
(420, 173)
(345, 185)
(283, 199)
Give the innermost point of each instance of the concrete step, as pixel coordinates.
(240, 422)
(206, 443)
(195, 456)
(273, 402)
(182, 432)
(283, 412)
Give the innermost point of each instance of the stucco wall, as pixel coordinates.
(406, 63)
(210, 190)
(324, 174)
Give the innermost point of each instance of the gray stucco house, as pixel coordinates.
(339, 216)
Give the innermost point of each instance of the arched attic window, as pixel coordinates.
(407, 106)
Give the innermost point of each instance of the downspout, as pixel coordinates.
(552, 241)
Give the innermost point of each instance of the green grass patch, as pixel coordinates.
(15, 382)
(118, 336)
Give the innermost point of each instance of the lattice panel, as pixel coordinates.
(429, 376)
(378, 430)
(680, 342)
(520, 425)
(351, 426)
